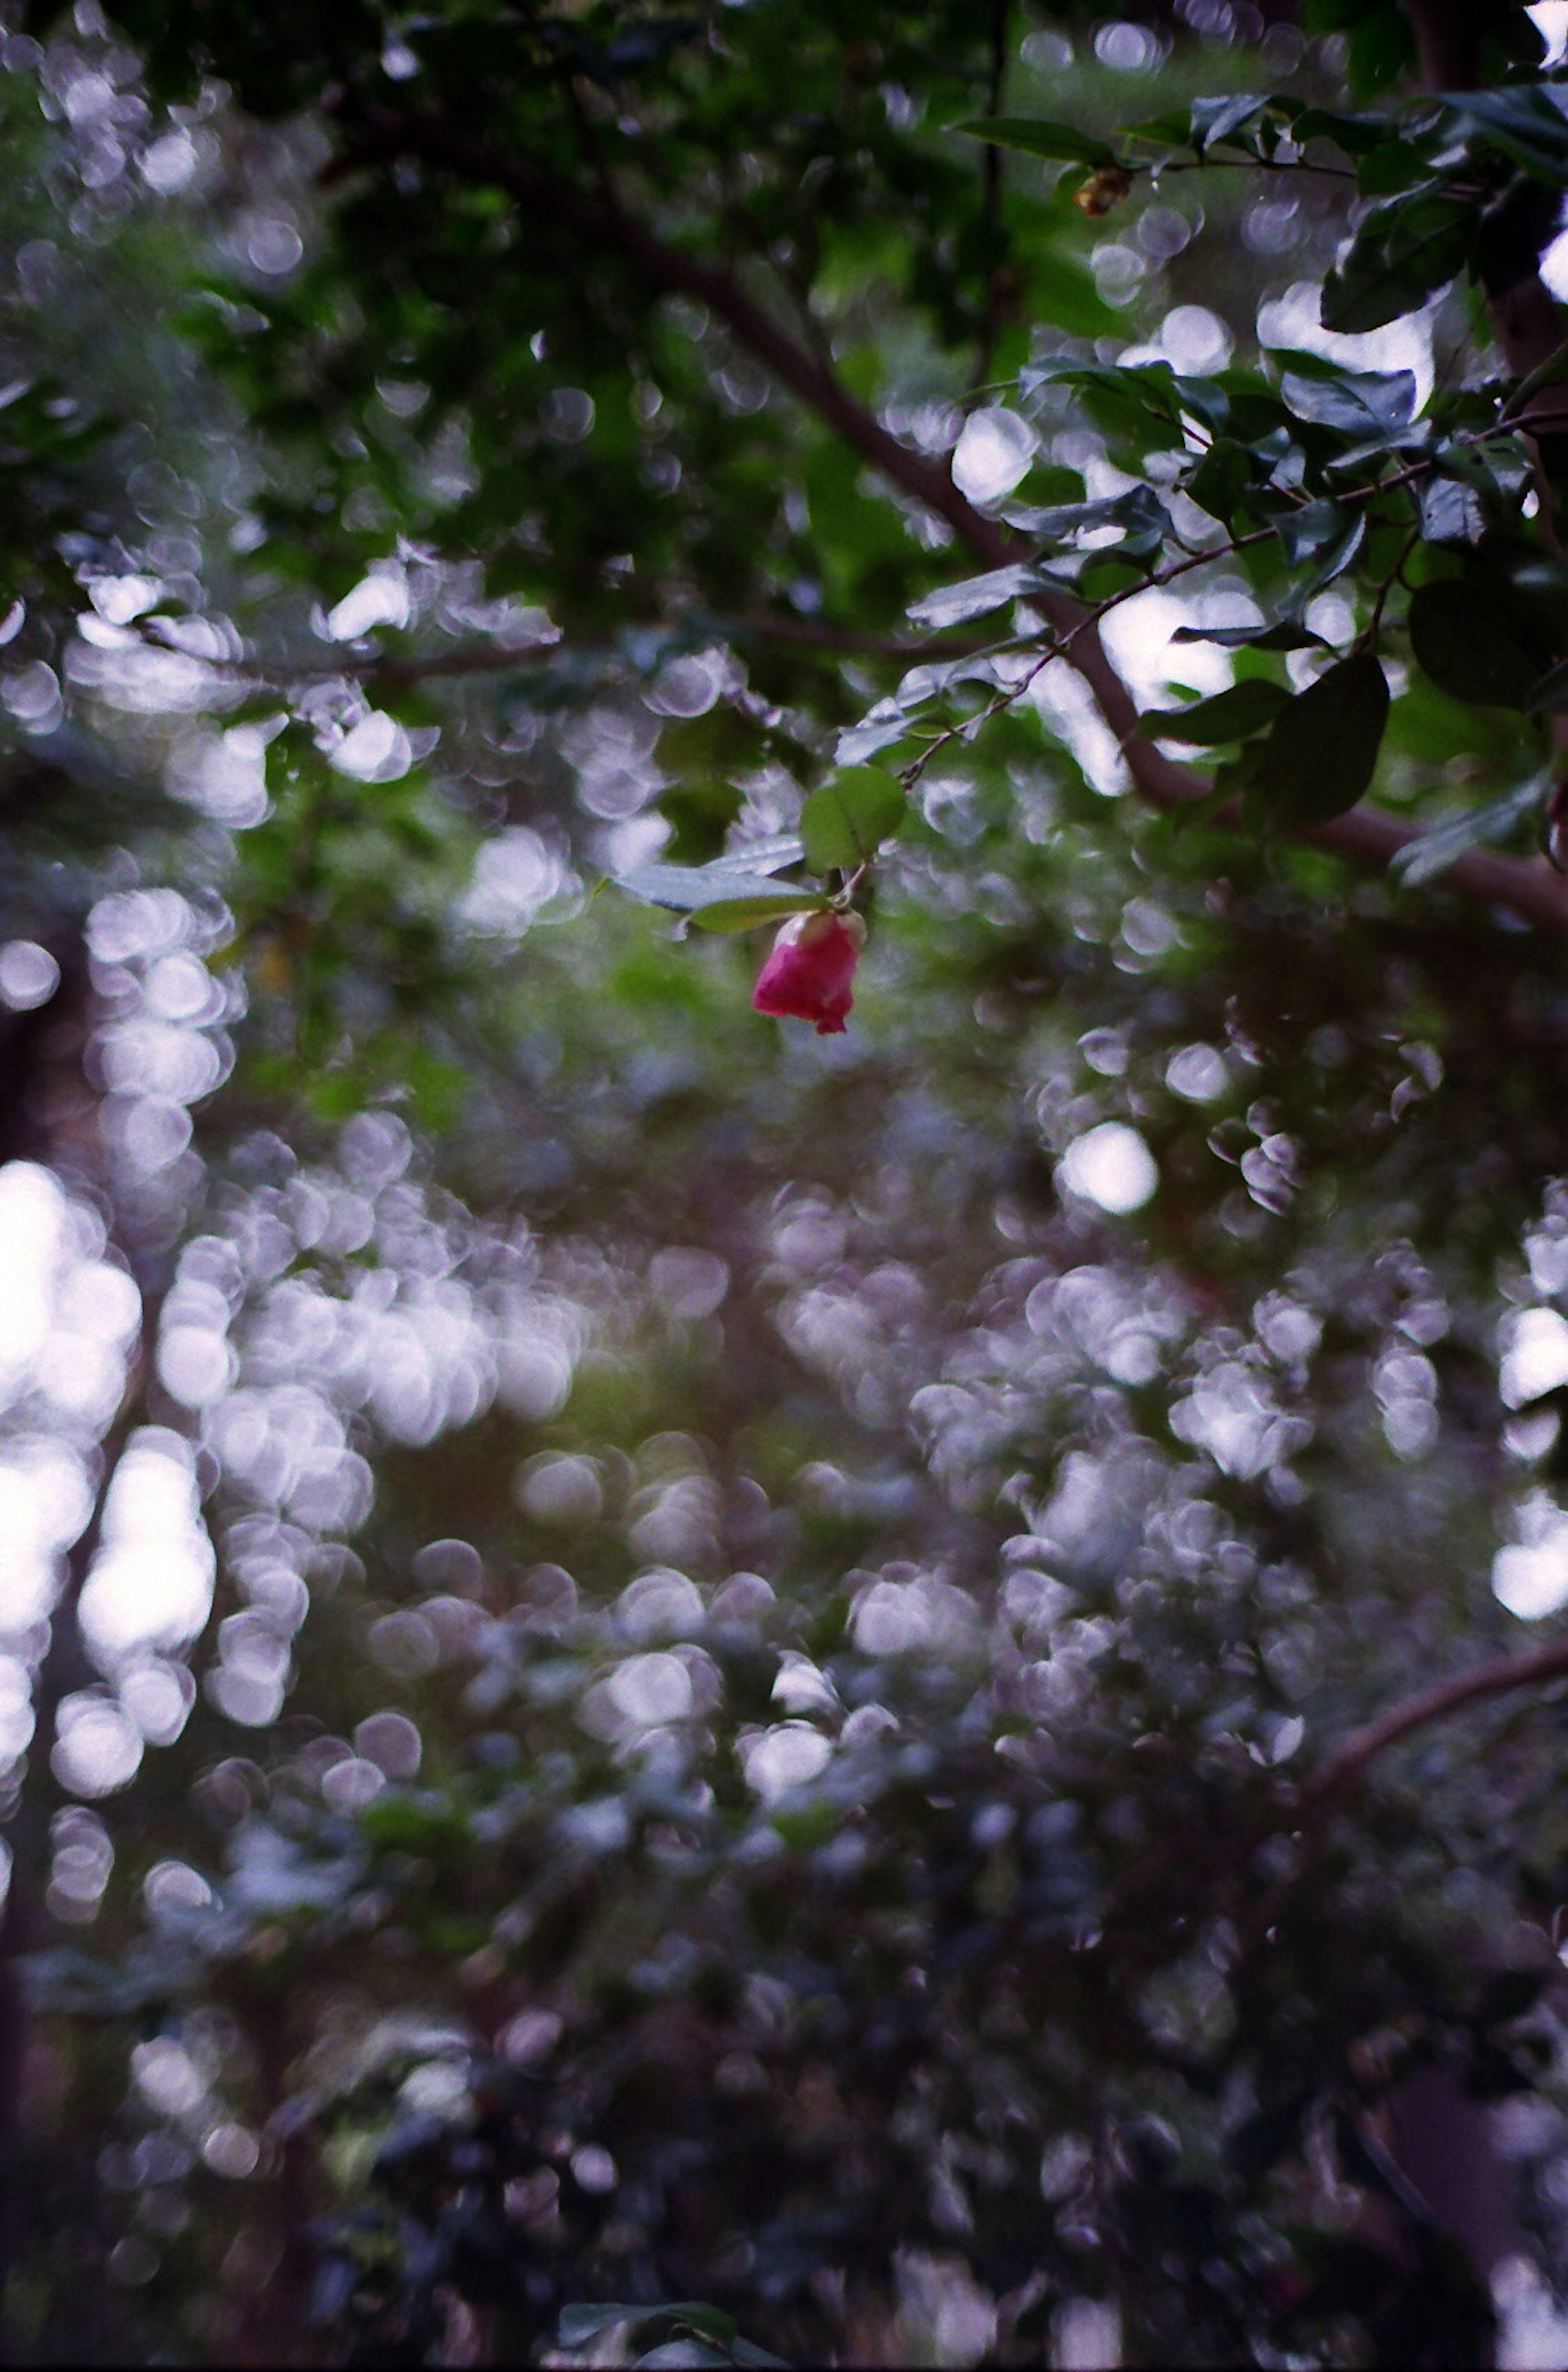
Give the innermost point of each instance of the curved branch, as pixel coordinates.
(1346, 1765)
(1368, 836)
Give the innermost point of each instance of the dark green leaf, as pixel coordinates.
(1282, 635)
(845, 822)
(749, 913)
(1358, 135)
(1527, 124)
(1060, 142)
(1306, 534)
(1216, 120)
(1401, 255)
(1319, 754)
(1464, 644)
(1450, 513)
(1228, 716)
(1361, 403)
(1424, 859)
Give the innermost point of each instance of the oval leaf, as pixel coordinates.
(1319, 755)
(1465, 646)
(846, 821)
(1228, 716)
(692, 888)
(1060, 142)
(748, 914)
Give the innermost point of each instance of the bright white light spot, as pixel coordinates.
(649, 1690)
(376, 749)
(784, 1758)
(1137, 634)
(513, 876)
(1111, 1166)
(152, 1582)
(560, 1489)
(118, 599)
(1193, 339)
(593, 2169)
(1129, 48)
(100, 1747)
(165, 2073)
(229, 2150)
(1197, 1072)
(378, 600)
(1551, 19)
(29, 975)
(169, 163)
(1536, 1358)
(1294, 320)
(993, 453)
(1531, 1579)
(195, 1364)
(391, 1741)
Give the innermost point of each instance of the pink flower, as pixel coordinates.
(808, 976)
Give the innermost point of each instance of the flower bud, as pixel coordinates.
(808, 976)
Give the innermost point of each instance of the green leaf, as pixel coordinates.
(1061, 141)
(1527, 124)
(1282, 635)
(1463, 645)
(1450, 512)
(693, 888)
(1228, 716)
(1306, 534)
(1424, 859)
(1394, 166)
(1401, 255)
(1358, 135)
(845, 822)
(1361, 403)
(749, 913)
(1319, 755)
(1216, 120)
(955, 605)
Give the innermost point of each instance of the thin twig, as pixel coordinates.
(1365, 835)
(1322, 1796)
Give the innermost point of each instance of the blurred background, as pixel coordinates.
(657, 1671)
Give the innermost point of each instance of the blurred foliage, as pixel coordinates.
(702, 1661)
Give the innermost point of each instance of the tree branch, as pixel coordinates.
(1367, 836)
(1347, 1763)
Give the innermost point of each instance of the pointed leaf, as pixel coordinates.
(770, 853)
(1424, 859)
(1282, 635)
(954, 605)
(690, 889)
(1316, 529)
(1319, 754)
(1401, 255)
(750, 913)
(845, 822)
(1450, 512)
(1214, 120)
(1527, 123)
(1463, 643)
(1358, 402)
(1060, 142)
(1228, 716)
